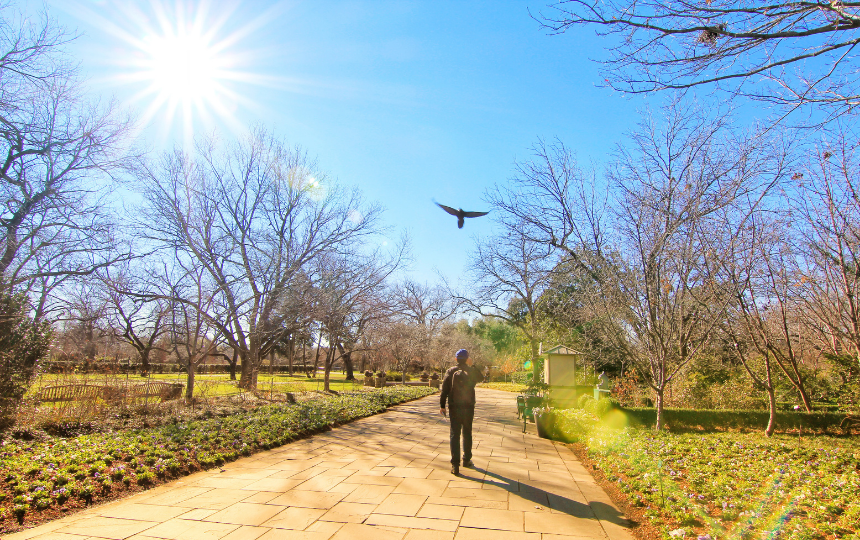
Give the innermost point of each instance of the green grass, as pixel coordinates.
(208, 385)
(506, 386)
(728, 485)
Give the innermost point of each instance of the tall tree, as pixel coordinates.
(252, 216)
(59, 153)
(509, 273)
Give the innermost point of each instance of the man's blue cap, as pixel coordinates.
(462, 354)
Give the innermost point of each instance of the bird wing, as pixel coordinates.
(475, 214)
(448, 209)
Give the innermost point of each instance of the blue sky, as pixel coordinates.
(410, 101)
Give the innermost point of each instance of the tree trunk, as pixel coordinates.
(659, 425)
(144, 363)
(189, 382)
(292, 352)
(305, 360)
(250, 367)
(347, 362)
(329, 361)
(317, 356)
(536, 375)
(233, 365)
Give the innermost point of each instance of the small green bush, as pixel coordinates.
(583, 400)
(603, 406)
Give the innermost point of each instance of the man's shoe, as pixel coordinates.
(455, 470)
(469, 463)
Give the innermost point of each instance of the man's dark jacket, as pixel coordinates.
(466, 396)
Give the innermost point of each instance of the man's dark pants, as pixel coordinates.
(461, 420)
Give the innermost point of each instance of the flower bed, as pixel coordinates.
(727, 485)
(42, 480)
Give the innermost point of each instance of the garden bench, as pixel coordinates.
(165, 391)
(69, 392)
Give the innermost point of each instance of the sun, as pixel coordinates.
(187, 62)
(183, 68)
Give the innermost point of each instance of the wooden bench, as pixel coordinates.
(69, 392)
(64, 393)
(165, 391)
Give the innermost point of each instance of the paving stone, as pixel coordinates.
(294, 518)
(370, 494)
(480, 494)
(348, 512)
(421, 486)
(408, 472)
(319, 483)
(273, 484)
(488, 518)
(247, 533)
(563, 524)
(352, 531)
(418, 534)
(176, 496)
(142, 512)
(401, 504)
(308, 499)
(408, 522)
(284, 534)
(245, 514)
(197, 514)
(439, 511)
(107, 527)
(466, 533)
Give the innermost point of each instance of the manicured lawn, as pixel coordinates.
(207, 385)
(506, 386)
(729, 485)
(42, 479)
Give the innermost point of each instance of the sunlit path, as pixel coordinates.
(380, 478)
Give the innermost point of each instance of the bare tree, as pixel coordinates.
(509, 273)
(59, 154)
(351, 295)
(192, 333)
(137, 321)
(427, 306)
(674, 190)
(790, 53)
(829, 204)
(252, 217)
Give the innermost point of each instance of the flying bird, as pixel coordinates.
(461, 214)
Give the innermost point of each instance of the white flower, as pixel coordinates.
(678, 533)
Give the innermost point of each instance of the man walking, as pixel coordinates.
(458, 389)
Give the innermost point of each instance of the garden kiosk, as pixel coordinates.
(559, 373)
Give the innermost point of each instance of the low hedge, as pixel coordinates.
(42, 479)
(719, 420)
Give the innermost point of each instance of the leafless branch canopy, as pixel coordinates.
(789, 53)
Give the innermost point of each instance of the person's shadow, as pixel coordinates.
(594, 510)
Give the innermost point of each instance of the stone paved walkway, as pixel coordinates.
(386, 477)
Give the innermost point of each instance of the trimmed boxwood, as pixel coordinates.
(720, 420)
